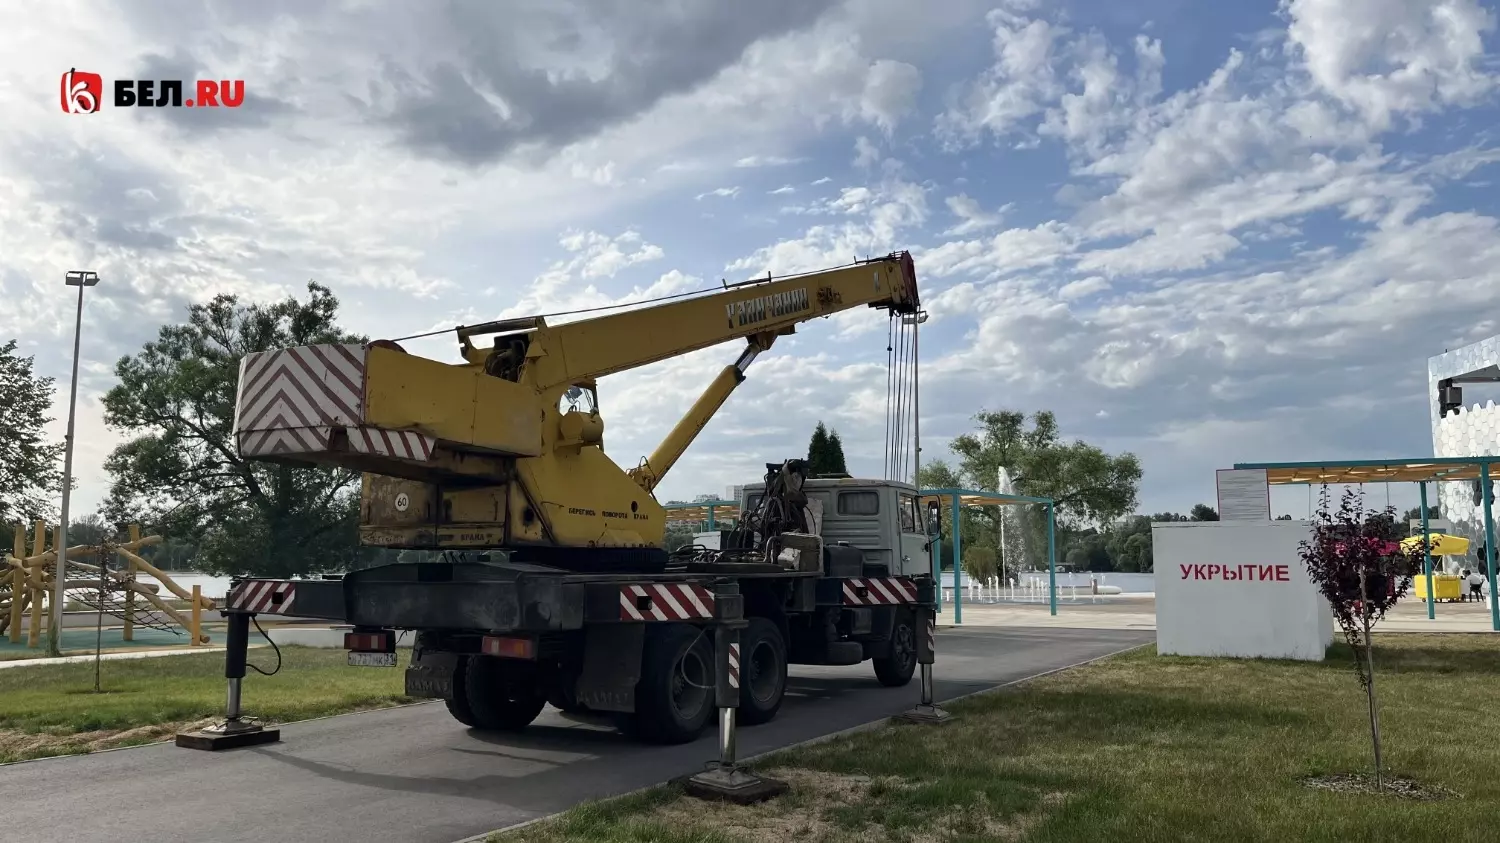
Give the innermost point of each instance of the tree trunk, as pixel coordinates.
(1364, 611)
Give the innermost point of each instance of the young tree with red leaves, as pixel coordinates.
(1355, 557)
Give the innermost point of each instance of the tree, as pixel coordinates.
(1090, 487)
(1087, 485)
(1415, 514)
(30, 467)
(1355, 558)
(1129, 545)
(836, 453)
(825, 452)
(89, 530)
(181, 472)
(981, 562)
(1203, 512)
(677, 535)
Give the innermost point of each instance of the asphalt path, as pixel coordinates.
(414, 775)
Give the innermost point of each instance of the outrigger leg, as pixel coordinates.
(236, 731)
(724, 779)
(926, 711)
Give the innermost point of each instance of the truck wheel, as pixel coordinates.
(458, 701)
(501, 693)
(674, 698)
(762, 672)
(896, 667)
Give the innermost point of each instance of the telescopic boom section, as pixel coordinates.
(758, 312)
(593, 348)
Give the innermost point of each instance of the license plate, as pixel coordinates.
(372, 659)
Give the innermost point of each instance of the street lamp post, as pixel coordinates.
(79, 279)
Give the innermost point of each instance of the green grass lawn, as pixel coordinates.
(1133, 748)
(54, 710)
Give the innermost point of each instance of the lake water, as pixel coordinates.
(213, 587)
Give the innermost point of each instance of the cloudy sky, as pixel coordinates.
(1202, 232)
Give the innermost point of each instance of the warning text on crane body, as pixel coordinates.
(751, 311)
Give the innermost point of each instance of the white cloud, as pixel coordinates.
(1392, 58)
(724, 192)
(972, 216)
(766, 161)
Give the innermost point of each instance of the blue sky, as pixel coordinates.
(1205, 233)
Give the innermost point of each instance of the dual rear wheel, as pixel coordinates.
(675, 696)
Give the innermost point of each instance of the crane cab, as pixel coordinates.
(883, 519)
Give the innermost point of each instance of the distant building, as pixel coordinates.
(1464, 431)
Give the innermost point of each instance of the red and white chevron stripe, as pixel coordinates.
(289, 400)
(665, 602)
(261, 597)
(307, 386)
(402, 444)
(734, 665)
(879, 591)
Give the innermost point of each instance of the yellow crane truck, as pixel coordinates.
(553, 584)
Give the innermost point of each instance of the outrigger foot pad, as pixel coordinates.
(733, 784)
(926, 714)
(231, 734)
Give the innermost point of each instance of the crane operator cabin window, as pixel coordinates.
(578, 398)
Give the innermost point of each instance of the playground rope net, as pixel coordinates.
(116, 585)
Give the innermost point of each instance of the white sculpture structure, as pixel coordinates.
(1460, 430)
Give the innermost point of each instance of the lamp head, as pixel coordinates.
(81, 278)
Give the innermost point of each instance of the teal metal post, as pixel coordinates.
(958, 567)
(1427, 553)
(1489, 540)
(1052, 555)
(710, 519)
(937, 570)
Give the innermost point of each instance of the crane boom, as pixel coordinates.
(505, 450)
(606, 345)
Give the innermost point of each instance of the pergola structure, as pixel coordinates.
(958, 498)
(933, 499)
(1421, 470)
(709, 511)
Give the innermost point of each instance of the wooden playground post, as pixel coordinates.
(38, 591)
(129, 632)
(197, 629)
(18, 591)
(57, 572)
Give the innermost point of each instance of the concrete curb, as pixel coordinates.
(831, 736)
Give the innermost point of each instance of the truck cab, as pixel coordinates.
(883, 519)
